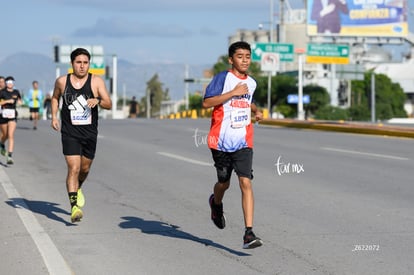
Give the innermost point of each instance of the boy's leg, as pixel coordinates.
(219, 190)
(247, 200)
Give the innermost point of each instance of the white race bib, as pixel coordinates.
(9, 113)
(81, 117)
(80, 113)
(240, 117)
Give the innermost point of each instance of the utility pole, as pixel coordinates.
(269, 77)
(373, 96)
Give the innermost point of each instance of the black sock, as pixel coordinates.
(73, 198)
(10, 154)
(249, 229)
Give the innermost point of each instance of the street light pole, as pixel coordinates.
(269, 77)
(373, 97)
(301, 114)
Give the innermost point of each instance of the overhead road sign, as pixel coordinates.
(97, 64)
(284, 50)
(327, 54)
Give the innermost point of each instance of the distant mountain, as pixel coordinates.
(132, 78)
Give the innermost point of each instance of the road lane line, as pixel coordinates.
(363, 153)
(52, 258)
(193, 161)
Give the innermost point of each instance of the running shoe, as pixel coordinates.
(217, 215)
(81, 198)
(76, 215)
(251, 241)
(3, 151)
(10, 160)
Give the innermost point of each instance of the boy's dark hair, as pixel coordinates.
(9, 78)
(79, 51)
(238, 45)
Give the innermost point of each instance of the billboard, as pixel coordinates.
(384, 18)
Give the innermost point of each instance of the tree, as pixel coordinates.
(389, 98)
(156, 93)
(282, 86)
(319, 98)
(195, 101)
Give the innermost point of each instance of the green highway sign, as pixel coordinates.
(327, 54)
(285, 51)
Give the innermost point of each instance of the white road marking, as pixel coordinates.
(52, 258)
(185, 159)
(364, 153)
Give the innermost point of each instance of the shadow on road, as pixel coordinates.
(172, 231)
(49, 209)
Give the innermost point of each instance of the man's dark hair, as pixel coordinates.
(79, 51)
(238, 45)
(9, 78)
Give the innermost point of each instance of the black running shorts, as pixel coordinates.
(239, 161)
(79, 147)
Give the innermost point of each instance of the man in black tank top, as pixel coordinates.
(81, 93)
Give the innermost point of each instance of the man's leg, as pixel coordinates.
(84, 169)
(72, 184)
(72, 179)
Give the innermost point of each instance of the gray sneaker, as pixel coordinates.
(10, 160)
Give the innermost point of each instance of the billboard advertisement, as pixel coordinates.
(384, 18)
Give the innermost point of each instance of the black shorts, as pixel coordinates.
(34, 110)
(4, 120)
(240, 161)
(79, 147)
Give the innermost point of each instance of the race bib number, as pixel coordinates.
(240, 117)
(9, 113)
(80, 113)
(81, 117)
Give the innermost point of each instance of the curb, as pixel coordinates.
(345, 127)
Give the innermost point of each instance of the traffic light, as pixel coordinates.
(56, 51)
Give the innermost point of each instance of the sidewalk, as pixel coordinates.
(342, 126)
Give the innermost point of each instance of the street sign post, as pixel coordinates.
(327, 54)
(285, 51)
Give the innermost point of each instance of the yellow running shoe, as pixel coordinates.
(77, 214)
(81, 199)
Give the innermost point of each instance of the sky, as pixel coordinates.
(155, 31)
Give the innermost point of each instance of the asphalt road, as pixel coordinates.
(326, 203)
